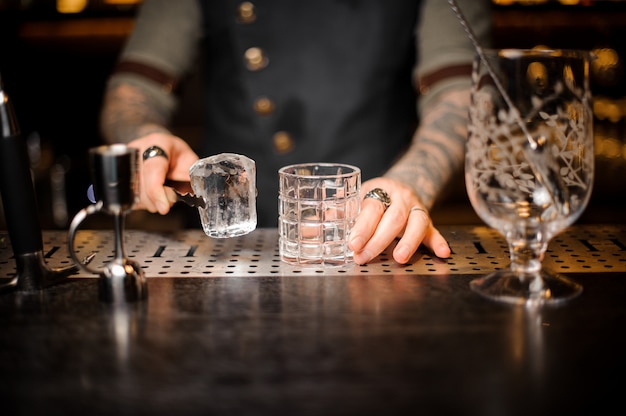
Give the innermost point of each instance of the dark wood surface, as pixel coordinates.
(371, 344)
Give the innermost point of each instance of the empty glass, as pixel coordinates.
(530, 162)
(318, 205)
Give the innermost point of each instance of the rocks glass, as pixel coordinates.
(318, 205)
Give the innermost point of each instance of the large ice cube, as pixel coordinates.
(227, 183)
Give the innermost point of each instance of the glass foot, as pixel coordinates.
(527, 289)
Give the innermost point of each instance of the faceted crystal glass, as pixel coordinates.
(318, 205)
(530, 162)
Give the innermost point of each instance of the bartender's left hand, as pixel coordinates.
(406, 218)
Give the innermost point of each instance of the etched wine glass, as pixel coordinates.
(529, 164)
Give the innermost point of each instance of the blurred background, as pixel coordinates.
(55, 56)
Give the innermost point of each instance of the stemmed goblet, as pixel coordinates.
(529, 164)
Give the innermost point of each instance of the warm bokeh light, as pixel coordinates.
(71, 6)
(605, 57)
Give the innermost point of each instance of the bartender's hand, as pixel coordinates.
(175, 164)
(405, 218)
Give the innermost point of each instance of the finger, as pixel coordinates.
(153, 194)
(420, 230)
(416, 229)
(366, 223)
(181, 159)
(385, 232)
(437, 243)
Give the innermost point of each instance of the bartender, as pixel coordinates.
(383, 85)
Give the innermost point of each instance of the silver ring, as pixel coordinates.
(154, 151)
(380, 195)
(414, 209)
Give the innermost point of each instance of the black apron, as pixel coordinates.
(335, 77)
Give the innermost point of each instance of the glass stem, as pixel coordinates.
(527, 247)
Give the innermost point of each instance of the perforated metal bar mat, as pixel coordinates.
(190, 253)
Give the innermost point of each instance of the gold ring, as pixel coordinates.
(380, 195)
(154, 151)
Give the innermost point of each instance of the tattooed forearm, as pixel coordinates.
(127, 114)
(437, 151)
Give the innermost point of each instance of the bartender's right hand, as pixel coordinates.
(175, 164)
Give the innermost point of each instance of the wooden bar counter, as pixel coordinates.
(228, 329)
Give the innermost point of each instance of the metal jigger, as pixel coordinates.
(20, 209)
(114, 174)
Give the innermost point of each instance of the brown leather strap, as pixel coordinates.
(167, 81)
(429, 80)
